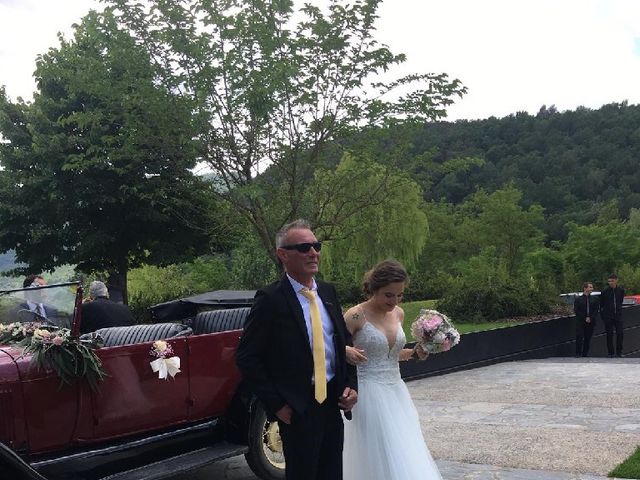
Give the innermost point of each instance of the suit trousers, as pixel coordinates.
(609, 324)
(584, 332)
(313, 441)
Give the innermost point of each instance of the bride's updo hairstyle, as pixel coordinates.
(383, 274)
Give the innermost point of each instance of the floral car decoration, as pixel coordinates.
(55, 348)
(166, 364)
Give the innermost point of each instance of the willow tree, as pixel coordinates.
(273, 87)
(378, 213)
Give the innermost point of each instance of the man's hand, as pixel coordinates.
(355, 356)
(285, 414)
(348, 399)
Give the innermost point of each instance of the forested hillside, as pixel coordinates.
(571, 163)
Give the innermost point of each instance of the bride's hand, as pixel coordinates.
(355, 355)
(421, 352)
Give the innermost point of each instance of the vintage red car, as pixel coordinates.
(135, 425)
(631, 300)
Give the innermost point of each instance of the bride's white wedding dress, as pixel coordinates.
(384, 440)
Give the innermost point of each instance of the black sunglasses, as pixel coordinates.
(303, 247)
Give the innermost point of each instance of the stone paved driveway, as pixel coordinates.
(552, 419)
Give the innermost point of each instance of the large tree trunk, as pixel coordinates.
(117, 285)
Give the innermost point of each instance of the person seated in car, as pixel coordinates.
(102, 312)
(35, 308)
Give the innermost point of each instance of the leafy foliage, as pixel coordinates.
(377, 214)
(97, 167)
(572, 164)
(251, 267)
(471, 303)
(149, 284)
(595, 251)
(272, 87)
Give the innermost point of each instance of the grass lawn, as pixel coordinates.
(411, 310)
(630, 468)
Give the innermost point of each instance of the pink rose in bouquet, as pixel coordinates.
(434, 332)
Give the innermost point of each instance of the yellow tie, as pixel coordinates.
(319, 367)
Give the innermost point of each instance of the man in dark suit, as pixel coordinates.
(301, 378)
(611, 304)
(100, 312)
(587, 308)
(35, 308)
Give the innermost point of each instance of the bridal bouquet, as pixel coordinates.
(434, 332)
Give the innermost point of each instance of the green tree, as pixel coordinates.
(545, 267)
(504, 224)
(251, 267)
(595, 251)
(150, 284)
(630, 278)
(374, 212)
(444, 247)
(274, 87)
(97, 167)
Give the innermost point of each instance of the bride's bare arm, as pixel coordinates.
(354, 320)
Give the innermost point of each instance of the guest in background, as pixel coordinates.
(586, 308)
(611, 307)
(35, 307)
(101, 312)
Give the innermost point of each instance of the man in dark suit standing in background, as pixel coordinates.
(587, 308)
(100, 312)
(611, 305)
(292, 355)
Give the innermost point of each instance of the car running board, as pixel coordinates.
(181, 463)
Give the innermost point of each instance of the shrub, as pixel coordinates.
(149, 285)
(476, 304)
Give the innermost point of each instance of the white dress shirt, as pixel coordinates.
(327, 324)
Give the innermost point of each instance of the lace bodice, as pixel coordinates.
(382, 364)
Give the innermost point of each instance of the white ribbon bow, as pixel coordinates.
(166, 366)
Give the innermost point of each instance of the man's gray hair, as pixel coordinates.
(282, 233)
(98, 289)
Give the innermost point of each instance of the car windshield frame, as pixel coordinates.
(61, 300)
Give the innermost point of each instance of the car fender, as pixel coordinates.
(238, 416)
(12, 418)
(13, 467)
(8, 367)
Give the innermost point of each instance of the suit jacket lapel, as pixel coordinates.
(296, 309)
(327, 300)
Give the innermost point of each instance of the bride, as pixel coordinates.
(384, 440)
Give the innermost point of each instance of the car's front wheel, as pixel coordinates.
(265, 456)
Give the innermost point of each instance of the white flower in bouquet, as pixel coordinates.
(454, 335)
(439, 337)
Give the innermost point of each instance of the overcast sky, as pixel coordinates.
(513, 55)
